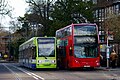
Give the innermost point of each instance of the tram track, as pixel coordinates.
(18, 77)
(36, 77)
(11, 71)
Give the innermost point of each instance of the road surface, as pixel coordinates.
(12, 71)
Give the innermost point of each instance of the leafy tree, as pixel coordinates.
(39, 13)
(24, 31)
(14, 47)
(66, 12)
(19, 36)
(58, 14)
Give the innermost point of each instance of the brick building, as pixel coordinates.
(3, 44)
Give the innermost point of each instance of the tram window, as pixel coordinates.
(34, 52)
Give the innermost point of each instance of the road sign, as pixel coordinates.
(0, 54)
(5, 56)
(108, 54)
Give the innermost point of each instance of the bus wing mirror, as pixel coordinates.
(70, 48)
(33, 47)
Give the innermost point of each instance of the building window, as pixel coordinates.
(101, 32)
(100, 26)
(94, 1)
(119, 6)
(100, 13)
(96, 13)
(102, 39)
(117, 9)
(103, 12)
(114, 10)
(107, 11)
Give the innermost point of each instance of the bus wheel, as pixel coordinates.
(91, 68)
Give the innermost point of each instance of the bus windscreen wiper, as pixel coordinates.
(44, 56)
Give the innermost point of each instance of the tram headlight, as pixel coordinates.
(39, 61)
(53, 61)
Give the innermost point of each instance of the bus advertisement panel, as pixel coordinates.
(78, 46)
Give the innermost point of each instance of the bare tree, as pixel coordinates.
(4, 7)
(112, 24)
(15, 25)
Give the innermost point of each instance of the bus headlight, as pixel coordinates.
(97, 62)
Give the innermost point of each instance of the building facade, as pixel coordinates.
(4, 52)
(103, 8)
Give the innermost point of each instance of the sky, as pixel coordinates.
(19, 8)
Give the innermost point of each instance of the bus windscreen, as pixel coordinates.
(85, 51)
(85, 30)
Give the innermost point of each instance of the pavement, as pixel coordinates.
(98, 68)
(5, 61)
(109, 68)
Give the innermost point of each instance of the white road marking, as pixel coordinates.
(17, 77)
(30, 73)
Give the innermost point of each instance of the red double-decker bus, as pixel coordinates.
(78, 46)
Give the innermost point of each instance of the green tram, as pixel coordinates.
(38, 52)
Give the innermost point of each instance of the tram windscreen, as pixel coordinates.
(46, 47)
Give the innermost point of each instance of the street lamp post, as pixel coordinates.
(107, 51)
(35, 28)
(38, 26)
